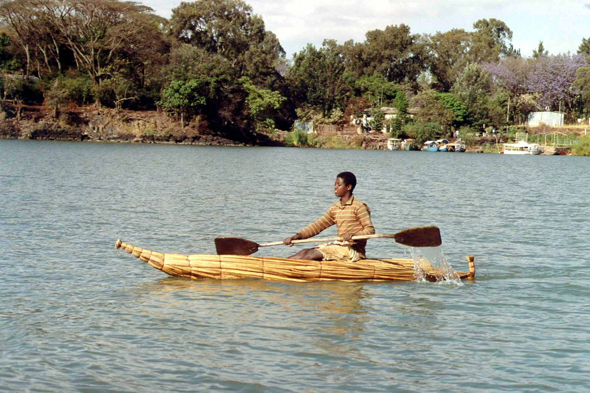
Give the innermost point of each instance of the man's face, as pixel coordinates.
(340, 189)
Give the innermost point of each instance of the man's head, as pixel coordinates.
(349, 179)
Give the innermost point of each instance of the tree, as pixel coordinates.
(97, 32)
(183, 97)
(262, 104)
(377, 89)
(450, 102)
(7, 59)
(317, 78)
(57, 95)
(448, 56)
(17, 16)
(230, 29)
(581, 85)
(223, 41)
(473, 88)
(423, 131)
(490, 40)
(551, 77)
(395, 53)
(510, 74)
(431, 110)
(540, 51)
(584, 48)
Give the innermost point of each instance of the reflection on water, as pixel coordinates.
(332, 298)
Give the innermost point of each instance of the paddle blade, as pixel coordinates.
(235, 246)
(419, 237)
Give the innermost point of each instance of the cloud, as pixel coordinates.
(560, 25)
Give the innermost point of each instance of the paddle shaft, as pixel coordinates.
(329, 239)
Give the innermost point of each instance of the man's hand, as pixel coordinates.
(289, 241)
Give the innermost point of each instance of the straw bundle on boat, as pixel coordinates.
(236, 266)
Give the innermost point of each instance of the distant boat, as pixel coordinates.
(521, 148)
(442, 145)
(394, 143)
(458, 146)
(408, 144)
(430, 146)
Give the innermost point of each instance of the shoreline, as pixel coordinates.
(100, 125)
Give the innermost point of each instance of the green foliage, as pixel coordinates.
(57, 95)
(180, 96)
(21, 90)
(584, 48)
(335, 142)
(423, 132)
(582, 148)
(451, 102)
(297, 138)
(401, 103)
(473, 88)
(431, 109)
(7, 60)
(449, 53)
(582, 84)
(395, 127)
(229, 28)
(79, 89)
(317, 78)
(104, 95)
(377, 89)
(540, 51)
(470, 136)
(377, 120)
(394, 53)
(491, 39)
(262, 103)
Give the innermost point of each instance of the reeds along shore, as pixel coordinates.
(234, 267)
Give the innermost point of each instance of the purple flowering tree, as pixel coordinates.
(551, 78)
(510, 74)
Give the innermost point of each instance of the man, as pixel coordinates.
(351, 216)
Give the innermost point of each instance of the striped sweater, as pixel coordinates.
(352, 217)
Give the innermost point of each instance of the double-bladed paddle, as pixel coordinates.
(413, 237)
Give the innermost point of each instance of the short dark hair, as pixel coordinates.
(349, 179)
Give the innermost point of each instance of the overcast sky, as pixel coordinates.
(561, 25)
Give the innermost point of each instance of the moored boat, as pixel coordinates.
(521, 148)
(200, 266)
(393, 143)
(430, 146)
(458, 146)
(442, 145)
(408, 145)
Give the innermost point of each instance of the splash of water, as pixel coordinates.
(431, 262)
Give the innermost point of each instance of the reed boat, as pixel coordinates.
(224, 267)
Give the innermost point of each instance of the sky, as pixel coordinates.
(561, 25)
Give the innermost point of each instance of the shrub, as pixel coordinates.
(470, 136)
(423, 132)
(24, 91)
(79, 89)
(582, 148)
(395, 127)
(297, 138)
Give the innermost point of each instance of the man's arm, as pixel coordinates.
(364, 216)
(326, 221)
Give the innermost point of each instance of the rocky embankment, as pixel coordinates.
(109, 125)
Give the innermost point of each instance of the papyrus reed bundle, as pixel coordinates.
(233, 267)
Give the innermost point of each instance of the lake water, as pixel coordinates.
(78, 315)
